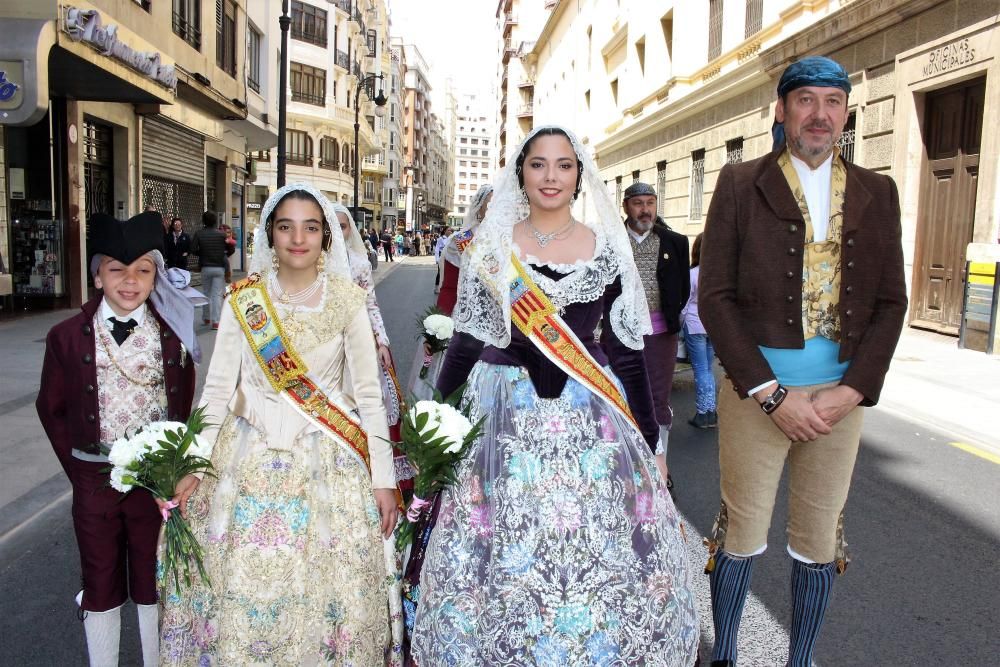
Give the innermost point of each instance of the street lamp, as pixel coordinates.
(379, 101)
(284, 21)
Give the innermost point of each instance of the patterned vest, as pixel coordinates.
(130, 390)
(820, 261)
(647, 256)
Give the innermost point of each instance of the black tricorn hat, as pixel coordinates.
(126, 240)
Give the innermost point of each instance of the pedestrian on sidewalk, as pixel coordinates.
(803, 295)
(177, 245)
(439, 246)
(126, 360)
(386, 240)
(399, 243)
(209, 244)
(699, 350)
(294, 526)
(661, 254)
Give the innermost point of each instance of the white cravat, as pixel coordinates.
(139, 314)
(816, 187)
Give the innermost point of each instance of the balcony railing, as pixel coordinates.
(186, 30)
(311, 36)
(308, 98)
(359, 20)
(526, 110)
(343, 5)
(299, 158)
(329, 164)
(343, 60)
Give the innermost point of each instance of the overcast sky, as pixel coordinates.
(457, 38)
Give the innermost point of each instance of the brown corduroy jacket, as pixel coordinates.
(750, 287)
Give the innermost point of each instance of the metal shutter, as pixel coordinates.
(171, 152)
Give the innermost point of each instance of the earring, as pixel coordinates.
(523, 208)
(274, 263)
(321, 262)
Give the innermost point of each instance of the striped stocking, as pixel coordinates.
(730, 583)
(811, 587)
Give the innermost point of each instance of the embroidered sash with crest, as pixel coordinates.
(533, 313)
(285, 370)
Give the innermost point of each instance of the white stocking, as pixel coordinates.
(103, 629)
(149, 633)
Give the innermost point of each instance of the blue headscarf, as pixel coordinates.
(818, 71)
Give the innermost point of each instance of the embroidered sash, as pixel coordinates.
(820, 260)
(533, 313)
(285, 370)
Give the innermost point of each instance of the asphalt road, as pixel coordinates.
(922, 522)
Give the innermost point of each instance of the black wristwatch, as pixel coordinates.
(773, 400)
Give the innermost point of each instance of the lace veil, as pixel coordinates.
(483, 308)
(470, 222)
(355, 244)
(336, 257)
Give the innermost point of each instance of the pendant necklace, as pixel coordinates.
(544, 239)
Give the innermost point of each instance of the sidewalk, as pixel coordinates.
(954, 391)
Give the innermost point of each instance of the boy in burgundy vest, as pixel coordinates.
(126, 360)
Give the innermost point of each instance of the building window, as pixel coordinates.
(754, 18)
(253, 58)
(661, 185)
(618, 188)
(260, 156)
(369, 190)
(635, 176)
(309, 24)
(734, 151)
(308, 84)
(371, 43)
(299, 147)
(187, 21)
(225, 36)
(846, 141)
(345, 161)
(697, 182)
(714, 29)
(329, 153)
(142, 3)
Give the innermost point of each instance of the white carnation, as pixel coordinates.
(440, 326)
(123, 452)
(118, 479)
(449, 422)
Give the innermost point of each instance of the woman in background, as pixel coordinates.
(699, 350)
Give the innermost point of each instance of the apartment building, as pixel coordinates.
(518, 24)
(475, 152)
(669, 92)
(394, 154)
(332, 46)
(110, 107)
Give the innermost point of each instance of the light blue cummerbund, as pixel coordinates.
(816, 363)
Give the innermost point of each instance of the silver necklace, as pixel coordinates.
(298, 297)
(544, 239)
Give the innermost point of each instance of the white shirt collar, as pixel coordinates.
(139, 314)
(639, 238)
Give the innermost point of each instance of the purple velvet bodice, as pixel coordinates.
(627, 364)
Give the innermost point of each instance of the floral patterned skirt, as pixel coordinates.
(559, 545)
(295, 559)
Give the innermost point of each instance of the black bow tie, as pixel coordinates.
(121, 330)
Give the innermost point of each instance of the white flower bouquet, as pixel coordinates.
(156, 458)
(436, 435)
(437, 330)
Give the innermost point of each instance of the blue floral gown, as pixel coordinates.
(559, 545)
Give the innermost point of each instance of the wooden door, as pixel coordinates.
(952, 133)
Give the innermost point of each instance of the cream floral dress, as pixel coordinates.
(290, 527)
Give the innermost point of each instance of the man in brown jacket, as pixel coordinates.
(803, 295)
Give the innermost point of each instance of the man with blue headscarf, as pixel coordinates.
(803, 295)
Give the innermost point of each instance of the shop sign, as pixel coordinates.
(949, 57)
(84, 25)
(253, 206)
(11, 84)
